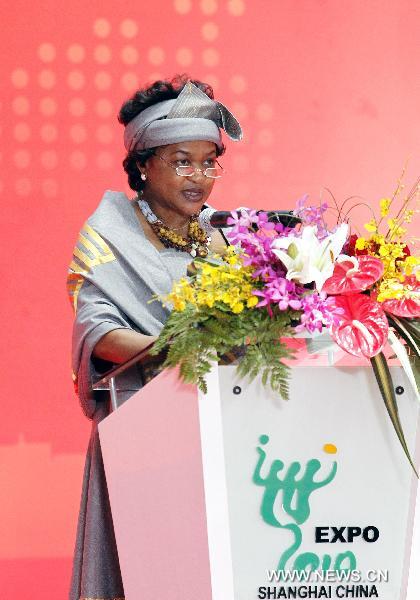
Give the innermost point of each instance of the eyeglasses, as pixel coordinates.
(189, 171)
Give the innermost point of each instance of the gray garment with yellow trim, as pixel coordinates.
(114, 273)
(120, 271)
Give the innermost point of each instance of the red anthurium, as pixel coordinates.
(404, 307)
(353, 274)
(362, 327)
(408, 303)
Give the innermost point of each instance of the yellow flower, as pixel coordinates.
(360, 243)
(396, 231)
(371, 226)
(181, 294)
(410, 264)
(238, 307)
(408, 216)
(226, 284)
(384, 250)
(179, 304)
(252, 301)
(390, 289)
(207, 269)
(226, 298)
(394, 288)
(384, 204)
(378, 238)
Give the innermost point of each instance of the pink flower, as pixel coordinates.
(242, 218)
(318, 310)
(362, 327)
(352, 274)
(281, 292)
(406, 300)
(404, 307)
(313, 215)
(241, 222)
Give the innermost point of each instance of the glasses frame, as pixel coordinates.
(196, 170)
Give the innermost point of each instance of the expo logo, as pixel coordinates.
(285, 504)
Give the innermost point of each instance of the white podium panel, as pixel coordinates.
(212, 499)
(319, 482)
(152, 457)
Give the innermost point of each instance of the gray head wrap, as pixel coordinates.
(189, 117)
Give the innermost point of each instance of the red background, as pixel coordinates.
(328, 95)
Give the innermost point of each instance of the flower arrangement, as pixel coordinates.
(275, 281)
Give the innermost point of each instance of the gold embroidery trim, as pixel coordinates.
(84, 241)
(74, 283)
(97, 239)
(76, 268)
(84, 259)
(82, 262)
(91, 250)
(88, 262)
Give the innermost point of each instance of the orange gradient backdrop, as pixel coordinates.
(328, 95)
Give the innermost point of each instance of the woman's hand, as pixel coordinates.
(119, 345)
(218, 243)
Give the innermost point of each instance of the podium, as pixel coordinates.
(235, 494)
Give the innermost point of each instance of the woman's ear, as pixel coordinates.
(142, 169)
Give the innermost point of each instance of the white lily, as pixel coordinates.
(308, 259)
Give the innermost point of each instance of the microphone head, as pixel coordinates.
(211, 220)
(286, 217)
(204, 220)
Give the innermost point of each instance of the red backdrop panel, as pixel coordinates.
(327, 93)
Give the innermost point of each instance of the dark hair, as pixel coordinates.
(143, 98)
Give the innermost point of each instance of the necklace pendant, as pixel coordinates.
(203, 251)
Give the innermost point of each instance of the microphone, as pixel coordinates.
(210, 219)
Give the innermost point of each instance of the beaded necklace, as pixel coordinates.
(196, 242)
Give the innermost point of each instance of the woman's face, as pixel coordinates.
(171, 192)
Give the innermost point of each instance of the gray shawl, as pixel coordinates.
(114, 274)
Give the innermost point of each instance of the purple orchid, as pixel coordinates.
(313, 215)
(255, 235)
(241, 223)
(318, 310)
(281, 292)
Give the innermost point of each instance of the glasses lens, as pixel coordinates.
(185, 171)
(213, 172)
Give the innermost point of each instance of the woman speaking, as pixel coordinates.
(128, 251)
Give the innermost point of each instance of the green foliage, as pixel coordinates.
(386, 387)
(194, 339)
(409, 330)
